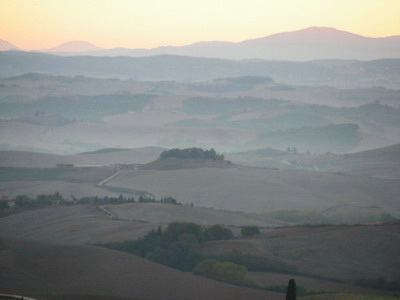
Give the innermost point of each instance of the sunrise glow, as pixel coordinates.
(43, 24)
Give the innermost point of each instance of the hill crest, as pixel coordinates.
(312, 43)
(6, 46)
(74, 46)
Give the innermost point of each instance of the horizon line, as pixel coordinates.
(197, 42)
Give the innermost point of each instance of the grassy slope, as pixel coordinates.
(257, 189)
(82, 224)
(161, 213)
(381, 162)
(34, 188)
(78, 225)
(45, 160)
(339, 252)
(35, 268)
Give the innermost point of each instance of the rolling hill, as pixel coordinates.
(85, 224)
(102, 157)
(329, 258)
(261, 189)
(381, 163)
(47, 271)
(348, 73)
(336, 252)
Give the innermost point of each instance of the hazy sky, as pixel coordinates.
(38, 24)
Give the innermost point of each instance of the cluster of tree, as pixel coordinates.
(255, 263)
(379, 283)
(249, 231)
(168, 200)
(192, 153)
(25, 202)
(224, 271)
(180, 246)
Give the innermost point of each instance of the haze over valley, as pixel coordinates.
(205, 170)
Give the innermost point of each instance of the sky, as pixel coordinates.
(41, 24)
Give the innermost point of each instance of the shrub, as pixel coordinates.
(224, 271)
(249, 231)
(255, 263)
(217, 232)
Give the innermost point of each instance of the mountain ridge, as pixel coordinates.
(311, 43)
(74, 46)
(7, 46)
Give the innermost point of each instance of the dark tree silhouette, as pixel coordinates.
(291, 290)
(249, 231)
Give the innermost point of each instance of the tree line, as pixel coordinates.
(181, 246)
(25, 202)
(191, 153)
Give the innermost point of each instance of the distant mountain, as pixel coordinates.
(312, 43)
(5, 46)
(340, 73)
(74, 46)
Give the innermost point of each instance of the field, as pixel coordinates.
(261, 189)
(83, 224)
(105, 157)
(322, 286)
(229, 114)
(54, 272)
(337, 252)
(379, 163)
(340, 254)
(311, 158)
(33, 188)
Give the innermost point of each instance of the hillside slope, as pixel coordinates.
(83, 224)
(260, 189)
(381, 162)
(102, 157)
(184, 68)
(340, 252)
(46, 270)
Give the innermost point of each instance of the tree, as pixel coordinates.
(224, 271)
(291, 290)
(4, 205)
(23, 201)
(191, 153)
(176, 229)
(218, 232)
(249, 231)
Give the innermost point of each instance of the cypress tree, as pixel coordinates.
(291, 290)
